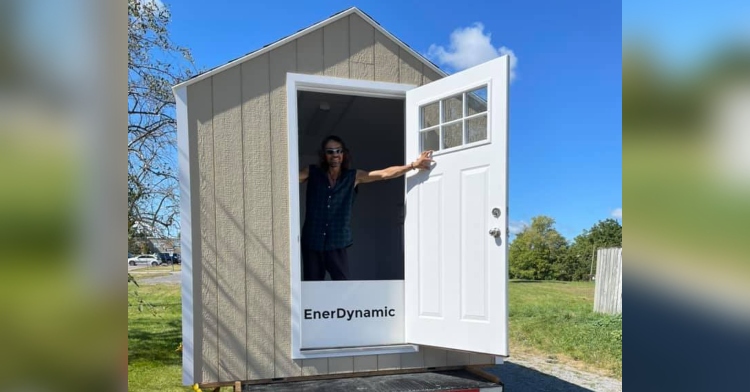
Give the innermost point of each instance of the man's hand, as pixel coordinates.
(424, 160)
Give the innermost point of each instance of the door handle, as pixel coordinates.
(495, 232)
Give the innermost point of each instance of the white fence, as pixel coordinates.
(608, 291)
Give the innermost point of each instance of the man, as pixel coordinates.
(327, 234)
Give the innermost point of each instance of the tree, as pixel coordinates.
(155, 64)
(537, 250)
(581, 261)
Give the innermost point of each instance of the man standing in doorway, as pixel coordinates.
(327, 234)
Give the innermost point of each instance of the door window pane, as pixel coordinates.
(430, 115)
(476, 129)
(430, 140)
(453, 108)
(476, 101)
(453, 134)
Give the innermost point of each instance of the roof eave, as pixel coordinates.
(285, 40)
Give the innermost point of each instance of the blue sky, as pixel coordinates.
(565, 99)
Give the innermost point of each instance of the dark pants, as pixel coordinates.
(316, 263)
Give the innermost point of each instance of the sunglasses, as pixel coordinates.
(332, 151)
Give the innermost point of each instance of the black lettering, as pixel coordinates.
(316, 314)
(308, 316)
(358, 313)
(350, 314)
(340, 313)
(378, 313)
(325, 314)
(392, 312)
(367, 313)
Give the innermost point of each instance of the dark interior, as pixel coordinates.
(373, 129)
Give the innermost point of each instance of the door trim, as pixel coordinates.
(324, 84)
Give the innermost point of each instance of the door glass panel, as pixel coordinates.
(476, 101)
(430, 114)
(454, 121)
(453, 134)
(430, 140)
(476, 129)
(453, 108)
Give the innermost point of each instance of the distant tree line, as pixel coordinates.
(540, 252)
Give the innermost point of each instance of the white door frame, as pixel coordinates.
(323, 84)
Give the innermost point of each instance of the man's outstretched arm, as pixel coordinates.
(423, 162)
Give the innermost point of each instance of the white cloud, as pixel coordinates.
(470, 46)
(517, 227)
(617, 213)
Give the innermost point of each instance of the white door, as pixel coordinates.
(456, 215)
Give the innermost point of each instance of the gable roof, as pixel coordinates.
(299, 33)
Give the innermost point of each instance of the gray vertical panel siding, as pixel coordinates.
(199, 123)
(282, 60)
(429, 75)
(310, 53)
(200, 107)
(386, 59)
(256, 141)
(410, 68)
(336, 48)
(413, 360)
(361, 49)
(457, 358)
(242, 334)
(365, 363)
(340, 365)
(314, 367)
(230, 227)
(389, 361)
(481, 359)
(434, 357)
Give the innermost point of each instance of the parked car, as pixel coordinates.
(144, 260)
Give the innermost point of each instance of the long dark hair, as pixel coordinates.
(322, 153)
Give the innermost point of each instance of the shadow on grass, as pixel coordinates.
(145, 344)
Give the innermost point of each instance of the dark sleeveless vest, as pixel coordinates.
(328, 210)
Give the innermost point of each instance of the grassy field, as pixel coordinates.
(549, 319)
(154, 334)
(555, 320)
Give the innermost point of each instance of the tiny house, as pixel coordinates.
(428, 263)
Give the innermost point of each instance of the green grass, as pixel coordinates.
(555, 319)
(154, 334)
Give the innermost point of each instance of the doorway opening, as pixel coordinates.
(374, 131)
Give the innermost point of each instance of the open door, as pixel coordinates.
(456, 221)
